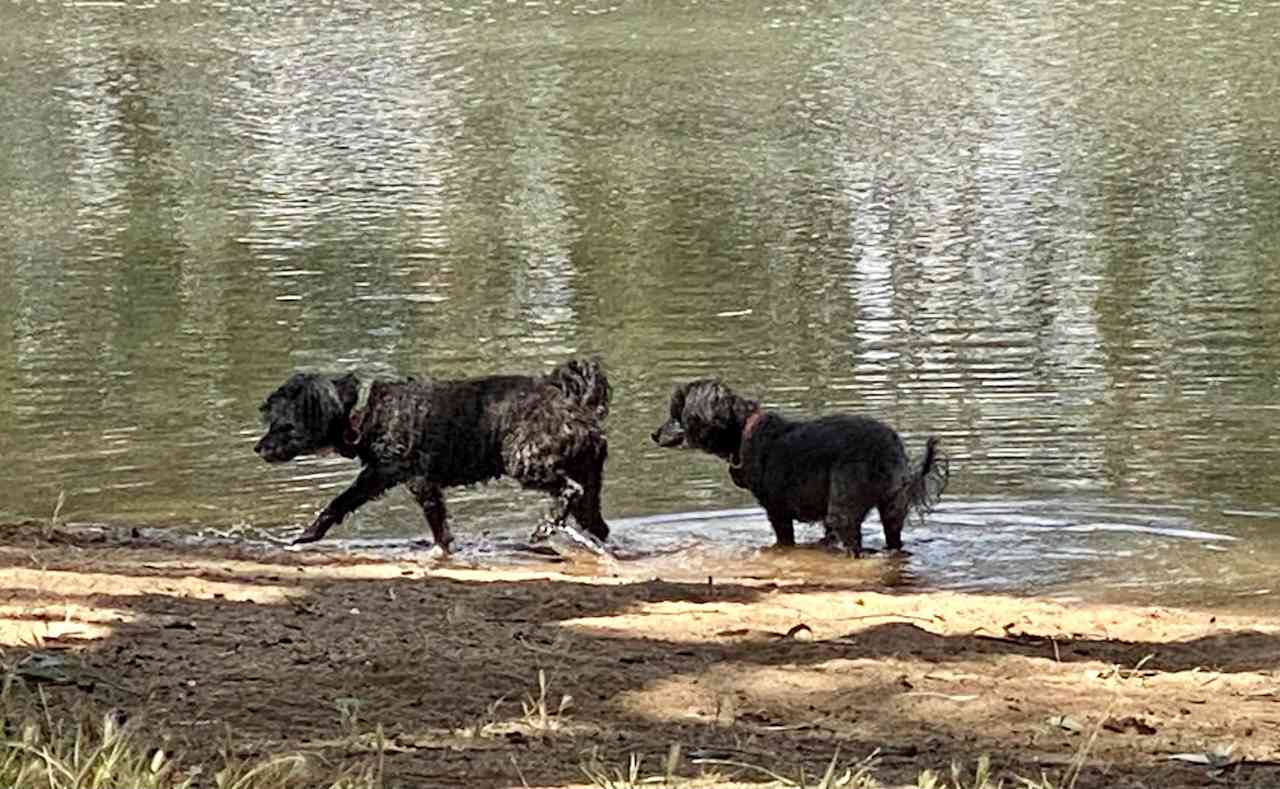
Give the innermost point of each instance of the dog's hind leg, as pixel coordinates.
(830, 540)
(893, 513)
(563, 497)
(847, 507)
(784, 530)
(586, 507)
(846, 523)
(431, 498)
(568, 494)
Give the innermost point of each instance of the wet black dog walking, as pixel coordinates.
(832, 469)
(546, 432)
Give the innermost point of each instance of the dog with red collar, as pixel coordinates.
(544, 431)
(833, 469)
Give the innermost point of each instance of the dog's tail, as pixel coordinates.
(583, 381)
(928, 481)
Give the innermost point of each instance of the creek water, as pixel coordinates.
(1048, 235)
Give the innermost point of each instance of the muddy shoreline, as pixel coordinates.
(315, 650)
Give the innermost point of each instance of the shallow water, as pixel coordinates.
(1050, 236)
(1069, 548)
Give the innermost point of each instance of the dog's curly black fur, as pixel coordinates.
(832, 469)
(546, 432)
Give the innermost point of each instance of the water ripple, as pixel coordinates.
(1044, 237)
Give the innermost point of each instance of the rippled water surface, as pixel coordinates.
(1049, 235)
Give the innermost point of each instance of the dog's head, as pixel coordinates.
(707, 415)
(307, 414)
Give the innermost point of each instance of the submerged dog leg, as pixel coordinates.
(848, 502)
(893, 513)
(369, 485)
(847, 524)
(830, 540)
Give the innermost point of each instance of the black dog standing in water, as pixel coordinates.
(832, 469)
(545, 432)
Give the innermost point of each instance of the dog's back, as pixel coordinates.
(456, 428)
(794, 460)
(841, 438)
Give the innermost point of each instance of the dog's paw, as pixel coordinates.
(567, 536)
(829, 542)
(310, 535)
(545, 551)
(542, 532)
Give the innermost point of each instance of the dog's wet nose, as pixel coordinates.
(654, 436)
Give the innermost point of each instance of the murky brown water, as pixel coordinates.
(1051, 236)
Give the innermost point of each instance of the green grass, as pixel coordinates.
(93, 750)
(839, 774)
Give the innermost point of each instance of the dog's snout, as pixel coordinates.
(266, 449)
(670, 434)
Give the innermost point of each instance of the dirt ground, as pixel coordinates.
(310, 651)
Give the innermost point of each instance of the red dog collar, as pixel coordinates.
(355, 420)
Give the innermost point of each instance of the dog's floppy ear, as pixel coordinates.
(743, 408)
(678, 395)
(348, 389)
(292, 389)
(707, 402)
(717, 414)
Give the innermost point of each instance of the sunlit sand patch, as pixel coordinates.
(61, 583)
(697, 622)
(23, 631)
(733, 693)
(776, 615)
(826, 615)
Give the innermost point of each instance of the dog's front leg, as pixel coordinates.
(369, 485)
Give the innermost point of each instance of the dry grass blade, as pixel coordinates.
(280, 769)
(781, 779)
(55, 520)
(829, 777)
(87, 750)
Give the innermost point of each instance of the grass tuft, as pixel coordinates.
(539, 716)
(837, 775)
(91, 749)
(55, 520)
